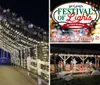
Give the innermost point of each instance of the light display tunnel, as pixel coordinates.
(4, 57)
(24, 43)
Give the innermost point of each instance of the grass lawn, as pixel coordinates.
(90, 80)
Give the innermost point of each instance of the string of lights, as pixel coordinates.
(17, 30)
(19, 38)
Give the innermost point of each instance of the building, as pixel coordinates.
(66, 55)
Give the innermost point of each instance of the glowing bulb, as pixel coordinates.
(86, 2)
(90, 3)
(30, 26)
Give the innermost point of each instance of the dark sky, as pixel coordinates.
(35, 11)
(78, 46)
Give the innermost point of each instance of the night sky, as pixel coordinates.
(78, 46)
(94, 47)
(35, 11)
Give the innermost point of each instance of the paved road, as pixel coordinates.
(10, 76)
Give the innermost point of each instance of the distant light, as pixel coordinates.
(18, 19)
(13, 14)
(17, 25)
(4, 20)
(90, 3)
(99, 10)
(38, 27)
(63, 30)
(86, 2)
(4, 10)
(85, 28)
(8, 10)
(44, 32)
(30, 26)
(96, 5)
(93, 4)
(80, 34)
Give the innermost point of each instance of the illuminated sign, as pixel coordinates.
(75, 14)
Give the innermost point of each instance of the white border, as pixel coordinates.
(49, 40)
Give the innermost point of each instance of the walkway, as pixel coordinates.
(10, 76)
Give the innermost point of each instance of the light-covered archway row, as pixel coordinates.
(22, 40)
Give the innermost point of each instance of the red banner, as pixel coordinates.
(76, 25)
